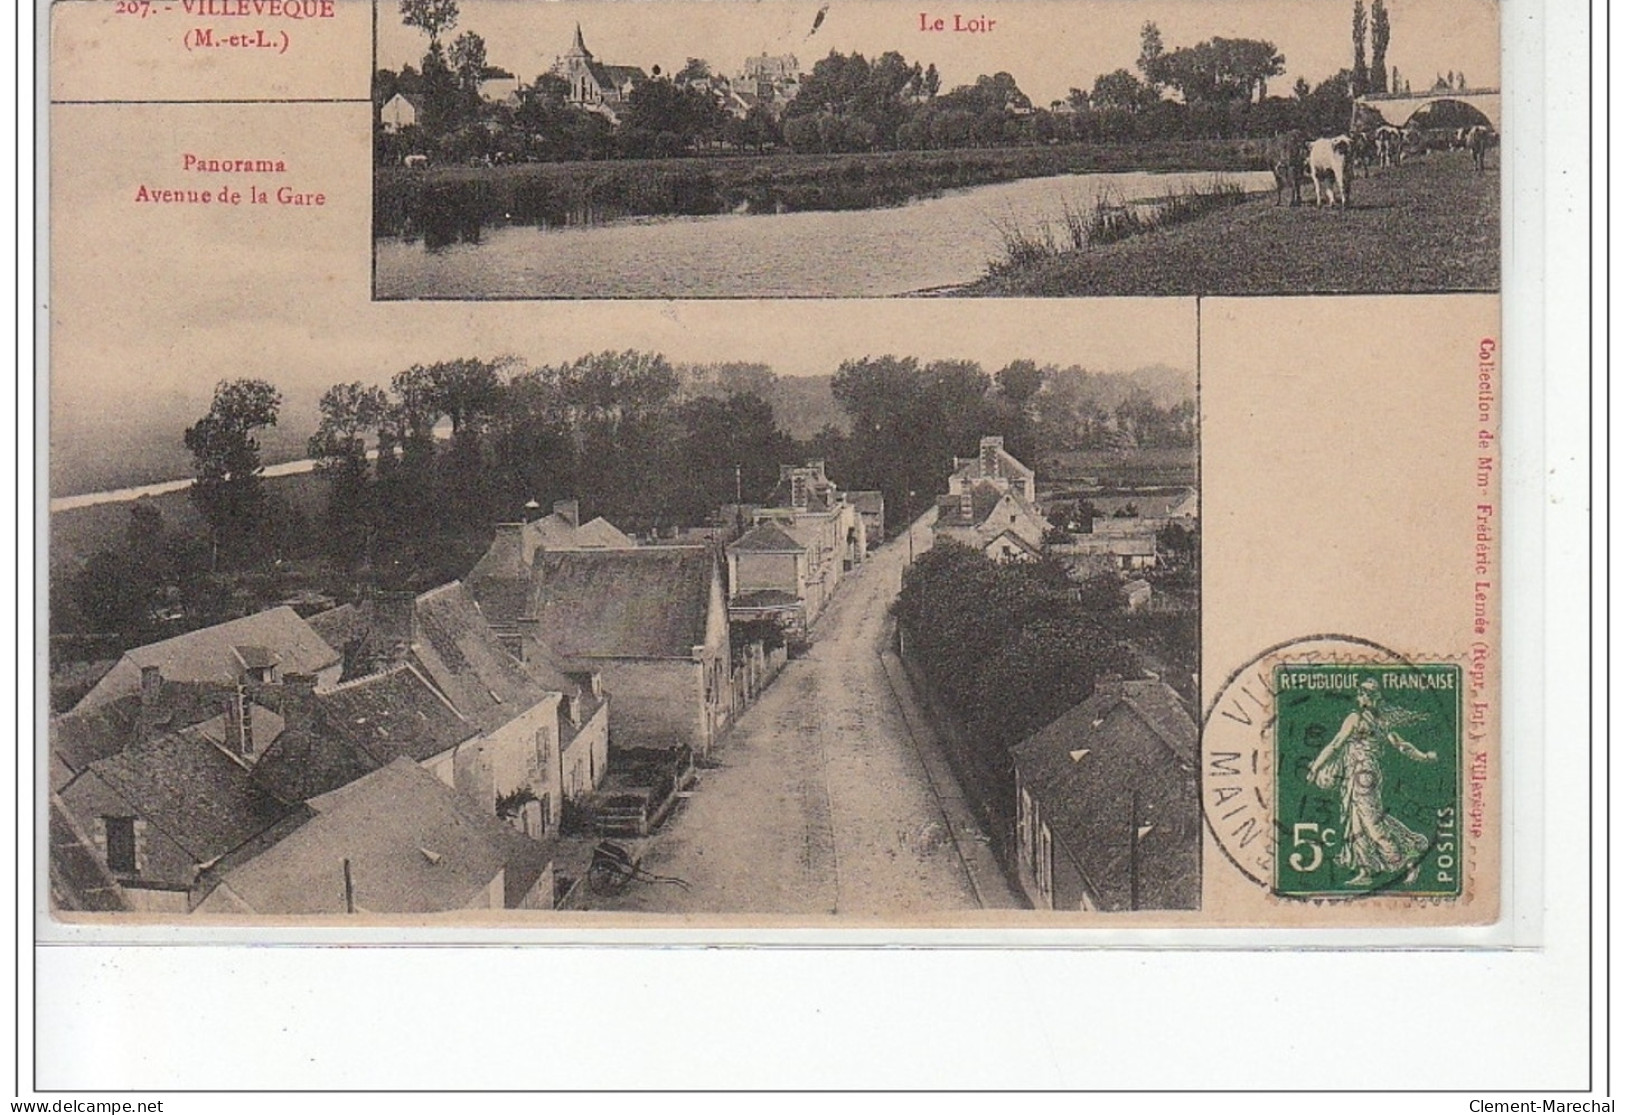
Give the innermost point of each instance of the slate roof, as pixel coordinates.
(1008, 467)
(500, 580)
(360, 726)
(190, 790)
(1127, 732)
(1019, 542)
(337, 626)
(651, 602)
(458, 653)
(1147, 505)
(396, 712)
(984, 498)
(1120, 545)
(86, 734)
(600, 533)
(208, 654)
(821, 495)
(413, 847)
(79, 879)
(767, 538)
(614, 77)
(869, 503)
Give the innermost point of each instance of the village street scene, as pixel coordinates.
(526, 150)
(621, 636)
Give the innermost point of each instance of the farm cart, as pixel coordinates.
(613, 870)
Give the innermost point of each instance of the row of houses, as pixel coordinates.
(808, 536)
(992, 505)
(768, 82)
(1106, 809)
(196, 756)
(411, 753)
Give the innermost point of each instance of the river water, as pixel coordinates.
(935, 242)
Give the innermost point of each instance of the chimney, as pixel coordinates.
(991, 448)
(298, 702)
(152, 702)
(533, 511)
(817, 466)
(569, 510)
(393, 623)
(240, 722)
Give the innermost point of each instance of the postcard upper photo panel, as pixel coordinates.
(1058, 148)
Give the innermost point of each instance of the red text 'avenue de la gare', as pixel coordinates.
(229, 194)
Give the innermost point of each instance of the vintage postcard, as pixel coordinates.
(1041, 148)
(492, 484)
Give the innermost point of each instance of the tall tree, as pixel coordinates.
(468, 62)
(1214, 71)
(1121, 90)
(432, 17)
(1151, 53)
(1362, 75)
(229, 491)
(1380, 32)
(349, 412)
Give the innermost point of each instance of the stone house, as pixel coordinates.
(651, 622)
(993, 465)
(262, 646)
(769, 578)
(403, 110)
(1108, 816)
(396, 841)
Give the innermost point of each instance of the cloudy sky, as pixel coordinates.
(1048, 45)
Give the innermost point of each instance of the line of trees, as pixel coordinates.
(411, 476)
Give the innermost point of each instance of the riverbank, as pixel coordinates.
(448, 204)
(1432, 224)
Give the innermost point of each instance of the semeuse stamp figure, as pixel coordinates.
(1368, 809)
(1374, 841)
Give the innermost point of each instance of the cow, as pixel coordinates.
(1288, 156)
(1329, 163)
(1390, 145)
(1479, 140)
(415, 162)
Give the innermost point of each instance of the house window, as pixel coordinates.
(120, 844)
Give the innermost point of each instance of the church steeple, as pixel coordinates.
(578, 47)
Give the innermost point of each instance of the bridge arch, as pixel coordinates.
(1399, 109)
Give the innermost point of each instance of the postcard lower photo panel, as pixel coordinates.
(1121, 613)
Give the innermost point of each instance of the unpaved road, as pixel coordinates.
(821, 801)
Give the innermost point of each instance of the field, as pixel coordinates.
(1432, 224)
(1140, 468)
(455, 202)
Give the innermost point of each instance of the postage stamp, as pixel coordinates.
(1368, 779)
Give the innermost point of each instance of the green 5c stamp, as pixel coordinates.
(1367, 780)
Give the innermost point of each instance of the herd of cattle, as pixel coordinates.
(1330, 162)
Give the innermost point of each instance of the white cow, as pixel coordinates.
(1329, 164)
(415, 162)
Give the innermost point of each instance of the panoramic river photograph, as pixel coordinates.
(1068, 148)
